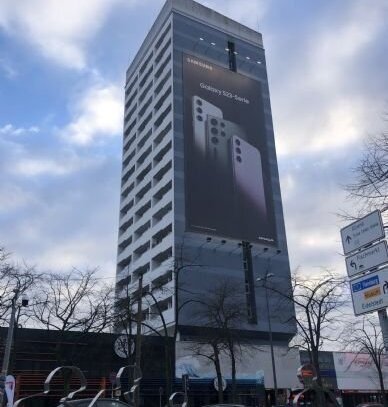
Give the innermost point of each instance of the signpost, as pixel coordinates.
(370, 292)
(367, 259)
(362, 232)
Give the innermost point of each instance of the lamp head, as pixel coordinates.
(24, 300)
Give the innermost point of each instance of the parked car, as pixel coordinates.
(224, 405)
(371, 404)
(98, 403)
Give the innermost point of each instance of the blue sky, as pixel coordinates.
(62, 68)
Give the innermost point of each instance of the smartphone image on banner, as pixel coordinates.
(201, 109)
(250, 203)
(219, 132)
(220, 174)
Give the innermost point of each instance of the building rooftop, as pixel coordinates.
(200, 13)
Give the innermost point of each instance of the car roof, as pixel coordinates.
(98, 403)
(224, 405)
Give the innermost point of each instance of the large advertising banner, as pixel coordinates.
(254, 364)
(227, 176)
(356, 371)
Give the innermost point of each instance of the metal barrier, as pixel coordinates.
(137, 374)
(68, 400)
(181, 394)
(75, 371)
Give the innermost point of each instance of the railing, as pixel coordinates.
(73, 372)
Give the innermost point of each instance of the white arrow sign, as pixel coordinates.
(370, 292)
(362, 232)
(367, 259)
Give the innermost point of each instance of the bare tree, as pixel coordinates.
(152, 298)
(370, 186)
(74, 301)
(124, 318)
(14, 277)
(365, 336)
(319, 306)
(155, 296)
(211, 347)
(221, 312)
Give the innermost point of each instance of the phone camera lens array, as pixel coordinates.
(215, 130)
(199, 110)
(238, 150)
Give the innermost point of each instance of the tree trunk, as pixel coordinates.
(315, 362)
(167, 368)
(320, 397)
(382, 388)
(67, 376)
(219, 374)
(234, 384)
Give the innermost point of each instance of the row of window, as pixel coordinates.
(150, 72)
(144, 149)
(153, 312)
(135, 190)
(147, 141)
(128, 236)
(161, 259)
(135, 126)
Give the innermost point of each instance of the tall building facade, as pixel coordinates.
(200, 194)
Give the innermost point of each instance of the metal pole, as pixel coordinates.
(8, 346)
(271, 344)
(383, 318)
(249, 283)
(138, 339)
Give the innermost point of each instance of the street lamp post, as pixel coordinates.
(9, 340)
(264, 279)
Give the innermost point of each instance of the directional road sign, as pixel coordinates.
(362, 232)
(370, 292)
(367, 259)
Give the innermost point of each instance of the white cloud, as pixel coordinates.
(335, 126)
(11, 130)
(13, 197)
(76, 252)
(24, 158)
(246, 12)
(335, 50)
(63, 165)
(60, 30)
(97, 114)
(322, 98)
(9, 71)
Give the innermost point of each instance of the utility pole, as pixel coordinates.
(8, 346)
(138, 339)
(275, 384)
(265, 279)
(383, 318)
